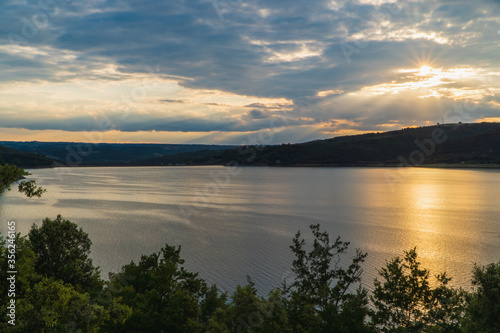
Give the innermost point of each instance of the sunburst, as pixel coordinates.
(425, 70)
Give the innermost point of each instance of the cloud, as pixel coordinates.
(257, 114)
(172, 101)
(320, 59)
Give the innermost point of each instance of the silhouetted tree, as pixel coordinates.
(405, 301)
(10, 174)
(323, 296)
(62, 251)
(248, 312)
(483, 311)
(164, 296)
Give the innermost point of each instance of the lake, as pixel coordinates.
(233, 222)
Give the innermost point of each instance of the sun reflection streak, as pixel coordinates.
(427, 210)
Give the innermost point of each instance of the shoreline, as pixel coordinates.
(437, 166)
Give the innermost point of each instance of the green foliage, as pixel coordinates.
(62, 250)
(25, 278)
(29, 188)
(164, 296)
(405, 301)
(10, 174)
(53, 306)
(46, 304)
(212, 302)
(58, 290)
(483, 312)
(248, 312)
(323, 293)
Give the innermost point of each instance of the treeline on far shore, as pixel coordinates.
(56, 288)
(451, 145)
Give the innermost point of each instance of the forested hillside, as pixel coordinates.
(450, 144)
(74, 153)
(23, 159)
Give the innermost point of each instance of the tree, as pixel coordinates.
(164, 296)
(62, 251)
(45, 304)
(483, 311)
(248, 312)
(405, 301)
(18, 249)
(10, 174)
(323, 297)
(53, 306)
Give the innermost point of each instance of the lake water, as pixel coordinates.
(234, 222)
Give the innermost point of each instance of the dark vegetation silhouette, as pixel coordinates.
(74, 153)
(450, 144)
(59, 290)
(23, 159)
(11, 174)
(460, 144)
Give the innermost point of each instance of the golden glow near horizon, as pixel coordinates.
(427, 81)
(114, 136)
(102, 104)
(164, 97)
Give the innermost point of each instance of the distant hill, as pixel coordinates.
(446, 144)
(23, 159)
(70, 153)
(450, 144)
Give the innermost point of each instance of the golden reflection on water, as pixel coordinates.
(246, 227)
(442, 212)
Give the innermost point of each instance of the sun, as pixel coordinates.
(424, 70)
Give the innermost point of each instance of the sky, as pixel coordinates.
(243, 71)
